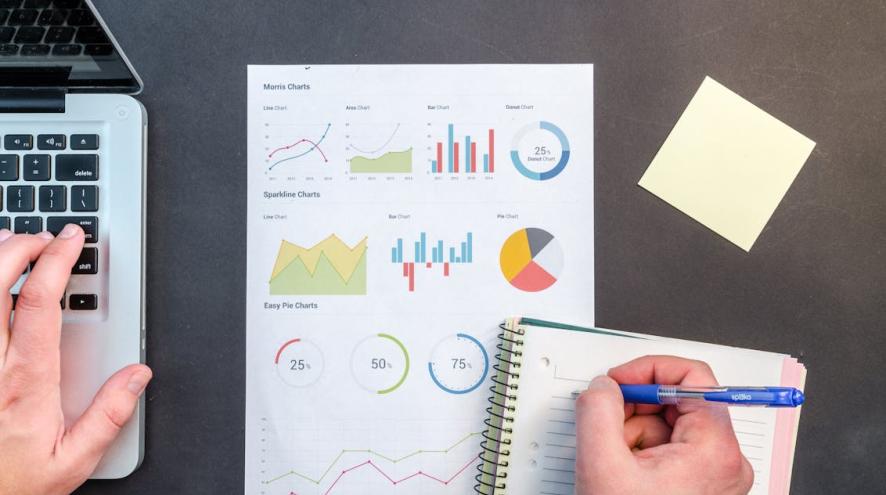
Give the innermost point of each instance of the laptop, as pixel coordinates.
(72, 150)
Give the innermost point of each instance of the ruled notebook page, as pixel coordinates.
(557, 363)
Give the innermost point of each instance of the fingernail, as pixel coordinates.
(138, 381)
(5, 234)
(599, 383)
(69, 231)
(45, 235)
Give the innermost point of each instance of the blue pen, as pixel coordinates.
(734, 396)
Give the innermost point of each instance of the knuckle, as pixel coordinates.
(116, 418)
(34, 296)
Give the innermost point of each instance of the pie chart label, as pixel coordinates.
(531, 259)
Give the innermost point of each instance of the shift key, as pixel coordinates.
(77, 168)
(87, 263)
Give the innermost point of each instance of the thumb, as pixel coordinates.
(601, 450)
(91, 435)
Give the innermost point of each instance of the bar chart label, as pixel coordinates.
(540, 151)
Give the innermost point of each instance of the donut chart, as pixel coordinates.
(535, 153)
(459, 364)
(531, 259)
(299, 363)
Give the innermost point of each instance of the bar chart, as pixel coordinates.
(442, 255)
(460, 154)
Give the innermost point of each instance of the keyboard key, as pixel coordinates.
(8, 167)
(51, 142)
(52, 17)
(28, 225)
(37, 4)
(60, 35)
(6, 34)
(84, 198)
(30, 34)
(35, 167)
(99, 50)
(52, 199)
(91, 35)
(23, 17)
(4, 223)
(66, 50)
(3, 15)
(18, 142)
(80, 168)
(83, 302)
(10, 4)
(88, 224)
(7, 50)
(35, 50)
(87, 263)
(84, 141)
(19, 199)
(67, 4)
(80, 17)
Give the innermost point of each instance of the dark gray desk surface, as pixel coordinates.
(812, 286)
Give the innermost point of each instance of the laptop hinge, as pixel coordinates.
(32, 100)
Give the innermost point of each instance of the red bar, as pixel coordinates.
(412, 277)
(405, 269)
(439, 158)
(474, 157)
(446, 269)
(491, 150)
(428, 264)
(455, 155)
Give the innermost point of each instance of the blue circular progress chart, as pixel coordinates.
(541, 157)
(459, 364)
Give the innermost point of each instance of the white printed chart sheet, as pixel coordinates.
(396, 215)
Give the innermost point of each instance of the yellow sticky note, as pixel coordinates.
(727, 164)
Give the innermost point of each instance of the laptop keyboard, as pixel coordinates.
(48, 181)
(55, 28)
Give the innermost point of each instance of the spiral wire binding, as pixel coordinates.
(492, 471)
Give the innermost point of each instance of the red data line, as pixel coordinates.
(416, 474)
(491, 150)
(300, 141)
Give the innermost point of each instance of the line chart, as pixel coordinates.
(391, 459)
(315, 145)
(417, 474)
(376, 150)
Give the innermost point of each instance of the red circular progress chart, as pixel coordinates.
(531, 259)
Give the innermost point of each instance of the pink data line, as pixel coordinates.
(392, 480)
(293, 145)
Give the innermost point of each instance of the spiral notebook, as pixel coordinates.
(529, 443)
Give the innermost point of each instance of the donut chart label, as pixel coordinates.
(539, 157)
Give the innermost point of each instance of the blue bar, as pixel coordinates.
(440, 251)
(424, 248)
(464, 252)
(486, 162)
(417, 257)
(433, 166)
(399, 250)
(470, 247)
(451, 145)
(451, 254)
(393, 255)
(467, 154)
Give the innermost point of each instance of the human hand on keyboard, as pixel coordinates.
(39, 453)
(650, 450)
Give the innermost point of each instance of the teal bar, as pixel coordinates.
(424, 248)
(486, 163)
(467, 154)
(439, 251)
(433, 166)
(451, 145)
(470, 258)
(399, 250)
(451, 254)
(393, 255)
(464, 251)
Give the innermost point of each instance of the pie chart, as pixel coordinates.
(531, 259)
